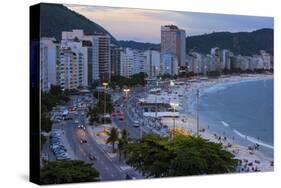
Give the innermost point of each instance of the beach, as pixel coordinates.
(251, 156)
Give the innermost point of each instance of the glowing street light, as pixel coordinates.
(104, 84)
(174, 105)
(126, 90)
(197, 96)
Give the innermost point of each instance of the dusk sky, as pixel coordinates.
(144, 25)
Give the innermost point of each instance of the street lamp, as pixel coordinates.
(126, 90)
(197, 96)
(174, 105)
(104, 84)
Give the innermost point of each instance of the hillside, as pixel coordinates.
(139, 45)
(56, 18)
(244, 43)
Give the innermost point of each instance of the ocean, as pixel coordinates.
(242, 111)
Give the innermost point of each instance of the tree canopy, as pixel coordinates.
(56, 172)
(186, 155)
(136, 79)
(49, 100)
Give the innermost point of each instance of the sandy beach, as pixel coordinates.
(252, 159)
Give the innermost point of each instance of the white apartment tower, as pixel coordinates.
(49, 56)
(98, 53)
(169, 64)
(73, 65)
(152, 63)
(266, 59)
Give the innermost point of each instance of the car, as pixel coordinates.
(76, 121)
(82, 141)
(92, 157)
(81, 127)
(57, 121)
(136, 124)
(68, 118)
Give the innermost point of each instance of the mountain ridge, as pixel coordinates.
(244, 43)
(56, 18)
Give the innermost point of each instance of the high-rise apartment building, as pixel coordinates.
(73, 64)
(173, 42)
(115, 59)
(266, 59)
(98, 53)
(152, 63)
(169, 64)
(49, 56)
(104, 57)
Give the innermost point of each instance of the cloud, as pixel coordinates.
(144, 25)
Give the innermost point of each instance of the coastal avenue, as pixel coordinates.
(128, 122)
(107, 170)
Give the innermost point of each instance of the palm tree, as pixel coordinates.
(124, 135)
(112, 137)
(122, 142)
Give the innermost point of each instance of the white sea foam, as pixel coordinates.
(213, 89)
(225, 124)
(253, 140)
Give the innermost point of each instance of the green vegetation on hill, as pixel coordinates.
(56, 18)
(244, 43)
(139, 45)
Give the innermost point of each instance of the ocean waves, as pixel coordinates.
(253, 140)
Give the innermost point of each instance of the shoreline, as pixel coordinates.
(188, 120)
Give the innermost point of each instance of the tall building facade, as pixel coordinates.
(169, 64)
(115, 53)
(266, 59)
(152, 63)
(132, 61)
(49, 57)
(127, 62)
(73, 65)
(98, 53)
(44, 68)
(104, 57)
(173, 41)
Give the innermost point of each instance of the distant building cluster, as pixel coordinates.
(223, 60)
(79, 59)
